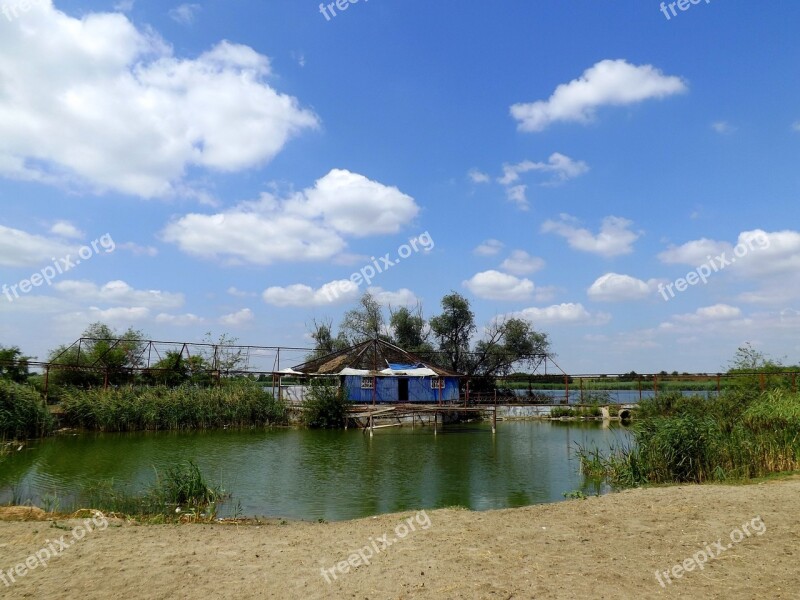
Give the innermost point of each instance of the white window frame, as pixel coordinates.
(436, 382)
(367, 383)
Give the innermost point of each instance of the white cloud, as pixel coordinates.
(339, 291)
(490, 247)
(124, 5)
(402, 297)
(693, 253)
(118, 316)
(614, 239)
(565, 313)
(185, 13)
(117, 292)
(562, 167)
(185, 320)
(607, 83)
(796, 125)
(138, 250)
(309, 225)
(518, 195)
(613, 287)
(723, 127)
(494, 285)
(238, 318)
(477, 176)
(718, 312)
(234, 291)
(21, 249)
(522, 263)
(94, 101)
(66, 229)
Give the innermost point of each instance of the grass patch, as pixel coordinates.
(180, 493)
(238, 404)
(23, 413)
(741, 435)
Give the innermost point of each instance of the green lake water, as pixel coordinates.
(332, 475)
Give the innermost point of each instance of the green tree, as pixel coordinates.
(453, 331)
(509, 344)
(410, 330)
(324, 341)
(13, 365)
(366, 322)
(103, 352)
(325, 406)
(174, 370)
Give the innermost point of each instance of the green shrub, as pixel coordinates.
(325, 405)
(23, 413)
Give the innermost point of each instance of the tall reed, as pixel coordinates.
(740, 435)
(161, 408)
(23, 413)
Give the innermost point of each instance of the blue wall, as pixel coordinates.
(419, 389)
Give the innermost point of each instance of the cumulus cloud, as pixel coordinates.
(309, 225)
(477, 176)
(723, 127)
(717, 312)
(614, 239)
(184, 320)
(613, 287)
(607, 83)
(238, 318)
(19, 248)
(117, 292)
(522, 263)
(560, 166)
(518, 194)
(565, 313)
(299, 294)
(96, 102)
(66, 229)
(494, 285)
(490, 247)
(184, 14)
(402, 297)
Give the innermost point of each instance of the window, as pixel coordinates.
(367, 383)
(436, 382)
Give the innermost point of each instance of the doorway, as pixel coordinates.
(402, 390)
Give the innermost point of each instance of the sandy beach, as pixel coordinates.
(713, 541)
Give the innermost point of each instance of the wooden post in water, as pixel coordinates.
(435, 422)
(494, 420)
(581, 380)
(566, 389)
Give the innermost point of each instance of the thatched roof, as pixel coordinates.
(375, 356)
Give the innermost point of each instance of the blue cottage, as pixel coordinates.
(377, 371)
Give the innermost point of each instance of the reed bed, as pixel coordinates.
(181, 408)
(23, 413)
(740, 435)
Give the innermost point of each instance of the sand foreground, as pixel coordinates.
(713, 541)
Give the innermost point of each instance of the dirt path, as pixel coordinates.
(607, 547)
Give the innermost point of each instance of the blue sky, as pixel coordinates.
(561, 162)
